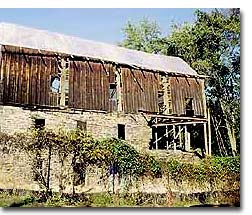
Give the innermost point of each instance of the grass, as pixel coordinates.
(15, 200)
(110, 200)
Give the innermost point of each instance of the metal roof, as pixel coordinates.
(16, 35)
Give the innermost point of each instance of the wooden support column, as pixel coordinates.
(63, 83)
(174, 137)
(119, 89)
(187, 140)
(156, 137)
(209, 132)
(167, 136)
(205, 138)
(180, 137)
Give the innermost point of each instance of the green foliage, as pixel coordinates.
(211, 46)
(213, 170)
(84, 150)
(143, 36)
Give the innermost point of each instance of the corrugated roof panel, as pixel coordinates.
(11, 34)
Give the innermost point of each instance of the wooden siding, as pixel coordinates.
(182, 88)
(140, 91)
(26, 79)
(89, 85)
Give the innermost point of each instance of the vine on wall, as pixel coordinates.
(113, 156)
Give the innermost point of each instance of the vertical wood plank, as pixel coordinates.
(174, 138)
(205, 138)
(209, 132)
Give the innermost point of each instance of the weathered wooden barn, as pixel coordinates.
(152, 101)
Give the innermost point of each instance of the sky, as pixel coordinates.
(104, 25)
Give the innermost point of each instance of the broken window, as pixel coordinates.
(189, 106)
(112, 91)
(82, 125)
(55, 84)
(121, 131)
(39, 123)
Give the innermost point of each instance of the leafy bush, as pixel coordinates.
(212, 170)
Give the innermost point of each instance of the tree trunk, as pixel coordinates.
(230, 130)
(232, 138)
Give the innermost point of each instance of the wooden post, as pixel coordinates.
(204, 96)
(174, 137)
(156, 137)
(209, 132)
(119, 90)
(62, 83)
(187, 140)
(180, 137)
(205, 138)
(167, 140)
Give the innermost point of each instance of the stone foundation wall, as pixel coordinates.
(16, 167)
(16, 172)
(137, 132)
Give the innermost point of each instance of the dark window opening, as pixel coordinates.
(189, 107)
(39, 123)
(82, 125)
(112, 91)
(55, 84)
(163, 138)
(121, 131)
(66, 101)
(159, 133)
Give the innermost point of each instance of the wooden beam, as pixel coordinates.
(102, 63)
(189, 141)
(135, 79)
(174, 137)
(179, 123)
(205, 138)
(209, 132)
(90, 67)
(63, 83)
(187, 144)
(156, 138)
(180, 136)
(167, 136)
(174, 117)
(204, 98)
(119, 91)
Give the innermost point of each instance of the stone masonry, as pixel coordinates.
(137, 132)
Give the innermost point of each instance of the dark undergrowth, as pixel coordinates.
(39, 199)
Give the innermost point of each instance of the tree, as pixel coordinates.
(143, 36)
(211, 46)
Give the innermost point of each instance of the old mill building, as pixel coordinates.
(150, 100)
